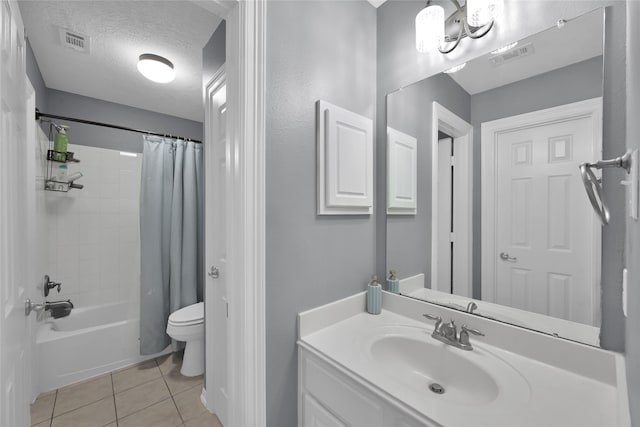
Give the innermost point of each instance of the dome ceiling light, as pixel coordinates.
(156, 68)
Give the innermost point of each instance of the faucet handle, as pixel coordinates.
(463, 340)
(438, 320)
(465, 328)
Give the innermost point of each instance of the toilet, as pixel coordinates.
(187, 324)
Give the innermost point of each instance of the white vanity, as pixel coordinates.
(357, 369)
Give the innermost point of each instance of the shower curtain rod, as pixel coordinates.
(39, 115)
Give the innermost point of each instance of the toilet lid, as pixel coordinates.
(188, 315)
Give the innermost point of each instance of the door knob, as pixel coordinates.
(214, 272)
(505, 257)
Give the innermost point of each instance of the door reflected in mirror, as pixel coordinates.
(495, 213)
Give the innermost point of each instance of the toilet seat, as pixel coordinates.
(187, 316)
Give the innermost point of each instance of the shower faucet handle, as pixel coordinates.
(49, 284)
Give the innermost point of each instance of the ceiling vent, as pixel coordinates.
(74, 40)
(512, 54)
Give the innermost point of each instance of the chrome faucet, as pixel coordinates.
(471, 307)
(448, 333)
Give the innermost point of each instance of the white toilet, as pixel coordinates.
(187, 324)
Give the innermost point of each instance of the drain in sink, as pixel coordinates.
(436, 388)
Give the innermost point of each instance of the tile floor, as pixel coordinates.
(152, 394)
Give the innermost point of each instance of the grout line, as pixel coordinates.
(142, 409)
(53, 409)
(171, 394)
(79, 407)
(113, 394)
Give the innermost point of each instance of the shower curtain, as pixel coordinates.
(171, 235)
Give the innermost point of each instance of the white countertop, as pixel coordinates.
(534, 392)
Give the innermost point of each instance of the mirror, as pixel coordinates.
(486, 211)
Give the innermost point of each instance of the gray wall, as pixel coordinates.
(633, 227)
(410, 111)
(399, 65)
(573, 83)
(317, 50)
(214, 53)
(82, 107)
(34, 75)
(71, 105)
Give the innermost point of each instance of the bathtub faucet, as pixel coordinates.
(59, 309)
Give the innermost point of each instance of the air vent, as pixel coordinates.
(74, 40)
(512, 54)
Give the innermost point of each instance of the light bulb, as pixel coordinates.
(156, 68)
(429, 28)
(482, 12)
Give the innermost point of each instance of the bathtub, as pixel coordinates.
(89, 342)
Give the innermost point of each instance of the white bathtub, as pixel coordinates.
(89, 342)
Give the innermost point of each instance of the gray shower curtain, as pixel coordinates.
(171, 235)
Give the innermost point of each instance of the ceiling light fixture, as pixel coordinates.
(474, 19)
(455, 69)
(156, 68)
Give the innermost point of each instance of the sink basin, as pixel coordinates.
(414, 359)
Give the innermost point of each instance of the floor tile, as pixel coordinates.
(42, 424)
(140, 397)
(112, 425)
(170, 362)
(189, 404)
(162, 414)
(97, 414)
(136, 375)
(42, 408)
(204, 420)
(178, 382)
(78, 395)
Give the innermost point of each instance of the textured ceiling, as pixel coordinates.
(119, 32)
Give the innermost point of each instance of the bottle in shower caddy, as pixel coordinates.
(61, 174)
(60, 143)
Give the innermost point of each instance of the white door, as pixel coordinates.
(544, 229)
(217, 309)
(444, 232)
(14, 380)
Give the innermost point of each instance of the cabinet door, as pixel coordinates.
(315, 415)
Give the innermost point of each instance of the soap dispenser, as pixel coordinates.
(374, 296)
(393, 284)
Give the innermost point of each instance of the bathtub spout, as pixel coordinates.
(59, 309)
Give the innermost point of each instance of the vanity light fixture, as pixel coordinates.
(156, 68)
(455, 69)
(474, 19)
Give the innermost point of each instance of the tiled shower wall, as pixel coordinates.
(94, 233)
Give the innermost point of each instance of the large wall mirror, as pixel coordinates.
(486, 211)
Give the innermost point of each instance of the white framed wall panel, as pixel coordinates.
(345, 161)
(402, 173)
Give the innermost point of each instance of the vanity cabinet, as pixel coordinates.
(329, 396)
